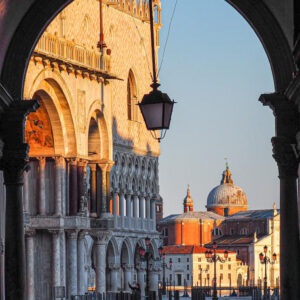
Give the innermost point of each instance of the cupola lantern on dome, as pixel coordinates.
(227, 198)
(188, 202)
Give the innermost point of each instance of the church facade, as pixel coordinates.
(90, 193)
(228, 223)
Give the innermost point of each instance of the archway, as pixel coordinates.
(282, 74)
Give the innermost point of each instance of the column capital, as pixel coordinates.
(72, 160)
(141, 266)
(92, 166)
(30, 233)
(72, 234)
(105, 165)
(114, 266)
(82, 162)
(59, 160)
(127, 267)
(285, 156)
(81, 234)
(55, 231)
(285, 111)
(100, 237)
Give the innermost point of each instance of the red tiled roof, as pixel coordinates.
(180, 249)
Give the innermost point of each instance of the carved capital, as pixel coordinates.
(82, 162)
(127, 267)
(72, 160)
(114, 267)
(285, 156)
(30, 233)
(14, 162)
(141, 266)
(285, 111)
(55, 232)
(59, 161)
(72, 234)
(93, 167)
(81, 234)
(101, 237)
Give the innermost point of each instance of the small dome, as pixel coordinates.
(227, 194)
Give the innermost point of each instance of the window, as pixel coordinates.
(179, 259)
(221, 276)
(231, 231)
(170, 277)
(229, 267)
(188, 259)
(131, 98)
(199, 259)
(229, 258)
(187, 276)
(244, 230)
(207, 267)
(221, 267)
(188, 267)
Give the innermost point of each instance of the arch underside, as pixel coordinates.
(255, 12)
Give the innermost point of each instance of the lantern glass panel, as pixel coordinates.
(167, 114)
(153, 115)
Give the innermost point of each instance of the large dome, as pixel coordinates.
(227, 195)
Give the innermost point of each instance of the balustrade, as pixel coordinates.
(70, 52)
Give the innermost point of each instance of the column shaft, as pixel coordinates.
(121, 203)
(127, 278)
(80, 264)
(100, 268)
(135, 206)
(289, 240)
(80, 180)
(26, 192)
(30, 295)
(73, 206)
(58, 186)
(141, 280)
(142, 207)
(148, 207)
(153, 213)
(42, 186)
(64, 188)
(114, 279)
(93, 187)
(55, 258)
(72, 263)
(115, 204)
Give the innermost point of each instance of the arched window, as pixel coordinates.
(131, 98)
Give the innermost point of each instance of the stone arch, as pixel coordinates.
(125, 263)
(256, 13)
(51, 87)
(56, 123)
(112, 259)
(131, 96)
(105, 139)
(270, 34)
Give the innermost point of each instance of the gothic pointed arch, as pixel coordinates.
(131, 97)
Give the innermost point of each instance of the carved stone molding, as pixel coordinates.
(285, 156)
(55, 231)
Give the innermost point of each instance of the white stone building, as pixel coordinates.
(90, 193)
(190, 267)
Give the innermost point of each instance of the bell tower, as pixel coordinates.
(188, 202)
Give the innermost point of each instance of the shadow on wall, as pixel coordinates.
(121, 140)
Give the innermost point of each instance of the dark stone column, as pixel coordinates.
(81, 170)
(286, 115)
(13, 163)
(93, 189)
(73, 198)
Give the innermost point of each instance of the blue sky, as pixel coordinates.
(215, 68)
